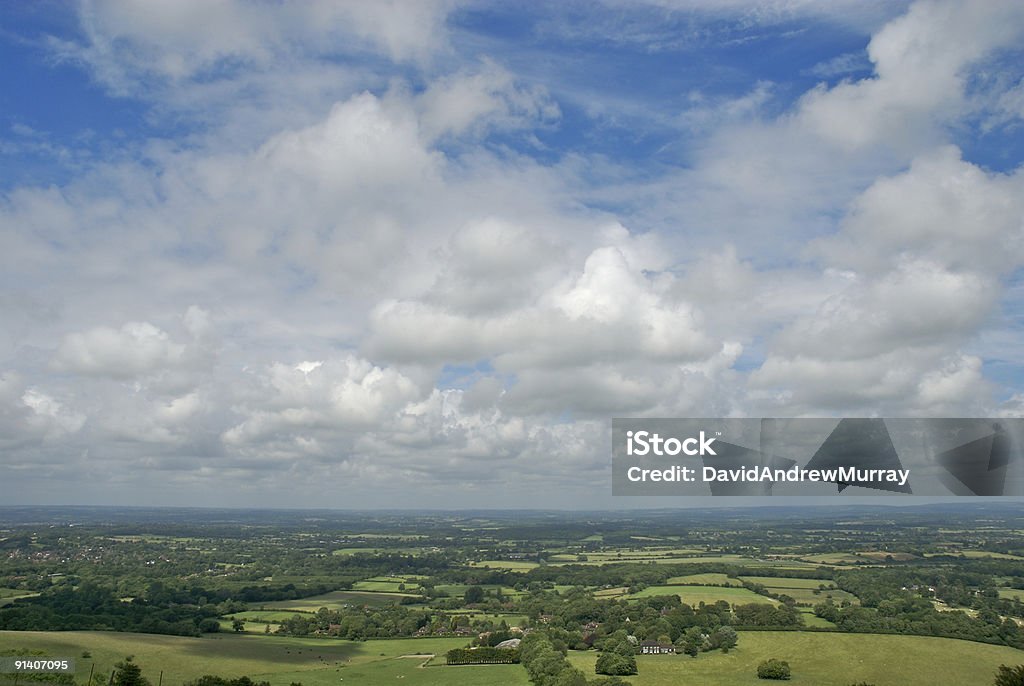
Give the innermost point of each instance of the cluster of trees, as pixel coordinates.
(618, 661)
(774, 669)
(226, 563)
(913, 615)
(546, 664)
(663, 618)
(972, 584)
(359, 622)
(161, 593)
(1009, 676)
(763, 614)
(695, 641)
(90, 607)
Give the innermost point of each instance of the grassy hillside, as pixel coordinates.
(818, 659)
(279, 660)
(828, 660)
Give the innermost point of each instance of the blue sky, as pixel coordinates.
(384, 250)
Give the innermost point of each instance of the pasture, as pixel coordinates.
(827, 659)
(1012, 594)
(787, 582)
(9, 595)
(710, 579)
(694, 595)
(456, 590)
(279, 660)
(510, 565)
(334, 601)
(388, 584)
(803, 591)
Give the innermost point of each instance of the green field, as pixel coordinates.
(803, 591)
(694, 595)
(249, 626)
(807, 596)
(1012, 594)
(334, 600)
(704, 580)
(279, 660)
(456, 590)
(511, 565)
(9, 595)
(264, 616)
(787, 582)
(359, 551)
(388, 585)
(827, 659)
(403, 550)
(820, 659)
(838, 558)
(975, 554)
(810, 619)
(654, 557)
(473, 615)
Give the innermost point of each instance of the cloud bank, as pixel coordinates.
(363, 256)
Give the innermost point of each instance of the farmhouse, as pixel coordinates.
(656, 648)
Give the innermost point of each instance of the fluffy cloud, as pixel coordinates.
(923, 381)
(942, 208)
(927, 250)
(29, 416)
(136, 348)
(609, 310)
(344, 394)
(919, 80)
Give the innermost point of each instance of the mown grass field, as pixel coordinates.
(836, 558)
(279, 660)
(827, 659)
(9, 595)
(387, 585)
(405, 550)
(710, 579)
(263, 616)
(511, 565)
(810, 619)
(653, 557)
(976, 554)
(334, 600)
(803, 591)
(510, 619)
(786, 582)
(807, 596)
(694, 595)
(1012, 594)
(819, 659)
(455, 590)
